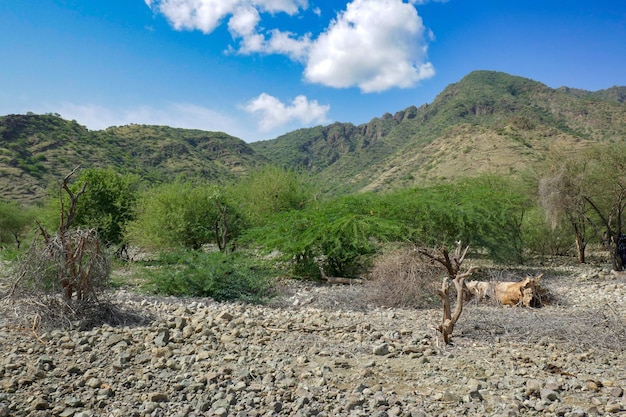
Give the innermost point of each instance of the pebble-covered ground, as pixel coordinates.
(311, 354)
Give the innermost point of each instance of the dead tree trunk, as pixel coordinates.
(69, 278)
(453, 268)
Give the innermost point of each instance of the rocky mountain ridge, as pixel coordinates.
(487, 122)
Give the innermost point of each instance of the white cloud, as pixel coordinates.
(375, 45)
(284, 43)
(206, 15)
(274, 113)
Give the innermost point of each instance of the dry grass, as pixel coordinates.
(583, 329)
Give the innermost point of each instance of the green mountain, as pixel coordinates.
(39, 150)
(487, 122)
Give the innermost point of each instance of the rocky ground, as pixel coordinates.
(318, 352)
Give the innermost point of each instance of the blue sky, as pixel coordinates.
(258, 69)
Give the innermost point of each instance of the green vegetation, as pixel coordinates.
(267, 191)
(14, 223)
(338, 235)
(342, 234)
(108, 202)
(221, 276)
(182, 213)
(476, 165)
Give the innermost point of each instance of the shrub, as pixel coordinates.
(267, 191)
(63, 275)
(402, 278)
(182, 214)
(338, 235)
(14, 221)
(221, 276)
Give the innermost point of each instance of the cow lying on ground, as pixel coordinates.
(527, 293)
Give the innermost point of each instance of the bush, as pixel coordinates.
(339, 235)
(402, 278)
(14, 221)
(541, 239)
(182, 214)
(267, 191)
(218, 275)
(485, 211)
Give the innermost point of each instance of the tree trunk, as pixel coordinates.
(453, 267)
(580, 249)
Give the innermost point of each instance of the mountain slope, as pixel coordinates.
(487, 122)
(39, 150)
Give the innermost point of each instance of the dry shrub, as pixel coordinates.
(403, 278)
(62, 278)
(588, 328)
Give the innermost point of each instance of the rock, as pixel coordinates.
(196, 358)
(578, 412)
(93, 382)
(548, 394)
(73, 402)
(157, 397)
(615, 391)
(224, 316)
(40, 404)
(114, 340)
(382, 350)
(613, 407)
(162, 338)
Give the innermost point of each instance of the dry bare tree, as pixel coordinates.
(454, 274)
(67, 269)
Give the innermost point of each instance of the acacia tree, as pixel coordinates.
(486, 211)
(589, 191)
(606, 195)
(182, 213)
(562, 196)
(108, 202)
(14, 220)
(267, 191)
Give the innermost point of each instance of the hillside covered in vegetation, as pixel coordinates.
(488, 122)
(39, 150)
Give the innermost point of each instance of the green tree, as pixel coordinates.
(486, 212)
(561, 193)
(589, 191)
(108, 202)
(338, 235)
(14, 221)
(267, 191)
(605, 192)
(182, 213)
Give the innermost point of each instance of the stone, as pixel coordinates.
(93, 382)
(312, 360)
(162, 338)
(224, 316)
(157, 397)
(40, 404)
(381, 350)
(548, 394)
(613, 407)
